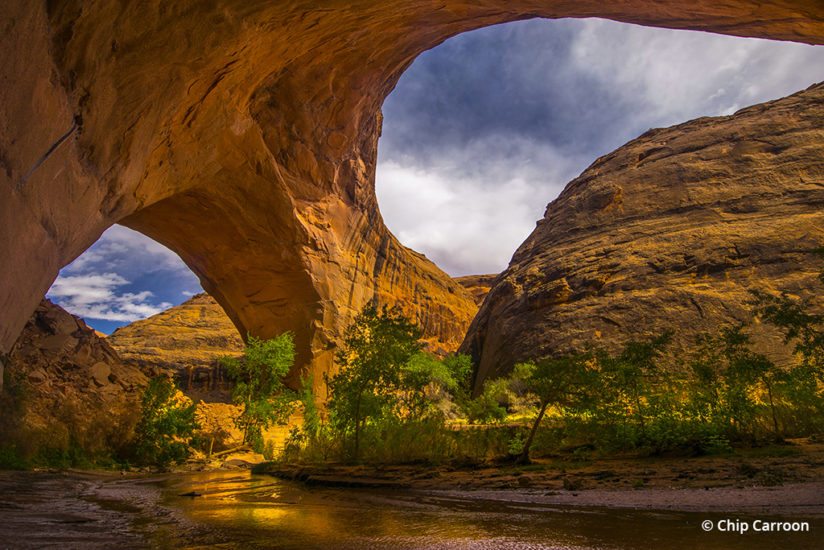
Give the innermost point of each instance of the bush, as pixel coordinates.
(259, 387)
(167, 422)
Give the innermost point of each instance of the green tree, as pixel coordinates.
(460, 371)
(166, 425)
(727, 373)
(259, 387)
(562, 382)
(630, 372)
(375, 350)
(424, 380)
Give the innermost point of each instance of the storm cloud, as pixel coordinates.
(483, 131)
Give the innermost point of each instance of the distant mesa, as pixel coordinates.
(186, 342)
(477, 285)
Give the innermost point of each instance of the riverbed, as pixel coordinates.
(235, 509)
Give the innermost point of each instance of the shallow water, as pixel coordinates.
(239, 510)
(262, 512)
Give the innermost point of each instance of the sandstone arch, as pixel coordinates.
(242, 134)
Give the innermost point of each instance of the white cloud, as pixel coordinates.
(472, 208)
(121, 247)
(94, 296)
(673, 76)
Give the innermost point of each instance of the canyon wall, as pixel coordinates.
(672, 231)
(242, 134)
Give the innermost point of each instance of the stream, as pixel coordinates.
(236, 510)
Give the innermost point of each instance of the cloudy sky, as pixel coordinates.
(482, 132)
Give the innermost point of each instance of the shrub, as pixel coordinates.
(166, 425)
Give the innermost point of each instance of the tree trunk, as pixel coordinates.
(357, 428)
(524, 458)
(772, 407)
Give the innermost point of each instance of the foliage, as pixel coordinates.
(259, 387)
(391, 402)
(375, 373)
(166, 425)
(562, 383)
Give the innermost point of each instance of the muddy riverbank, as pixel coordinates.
(770, 479)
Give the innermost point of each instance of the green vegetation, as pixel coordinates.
(259, 387)
(167, 422)
(392, 402)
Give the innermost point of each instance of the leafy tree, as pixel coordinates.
(629, 372)
(376, 349)
(803, 383)
(562, 382)
(728, 373)
(489, 406)
(424, 380)
(166, 425)
(259, 387)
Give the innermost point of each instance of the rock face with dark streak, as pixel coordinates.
(242, 134)
(672, 230)
(185, 341)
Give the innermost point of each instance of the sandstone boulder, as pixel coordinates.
(100, 373)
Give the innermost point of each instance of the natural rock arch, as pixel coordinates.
(242, 134)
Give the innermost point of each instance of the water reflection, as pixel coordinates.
(245, 511)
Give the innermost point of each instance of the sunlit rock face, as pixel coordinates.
(671, 231)
(242, 134)
(185, 341)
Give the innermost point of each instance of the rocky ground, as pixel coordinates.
(67, 387)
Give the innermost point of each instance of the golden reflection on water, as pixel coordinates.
(246, 511)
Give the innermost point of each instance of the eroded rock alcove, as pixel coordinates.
(242, 135)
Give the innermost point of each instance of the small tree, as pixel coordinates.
(631, 371)
(375, 349)
(166, 425)
(259, 387)
(424, 379)
(559, 382)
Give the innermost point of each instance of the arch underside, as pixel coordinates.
(243, 134)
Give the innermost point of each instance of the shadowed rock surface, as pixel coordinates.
(671, 231)
(70, 386)
(242, 135)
